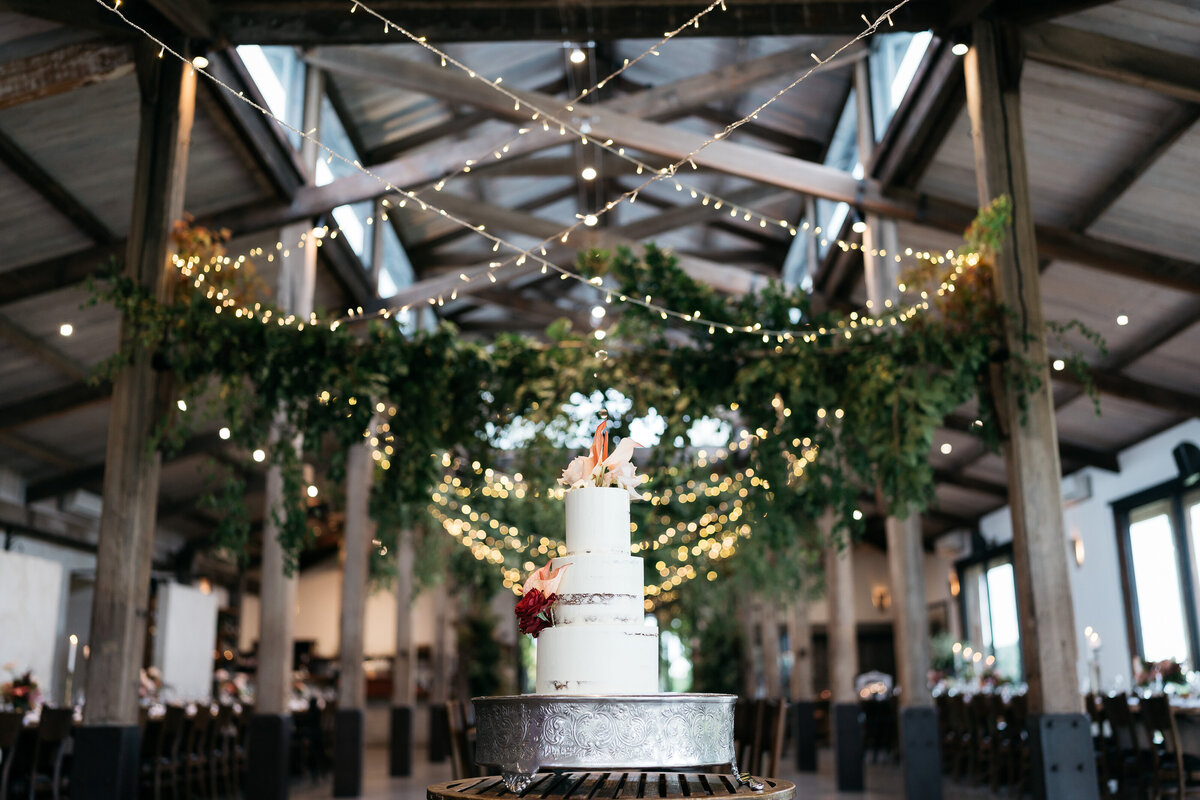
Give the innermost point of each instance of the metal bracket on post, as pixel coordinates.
(1062, 756)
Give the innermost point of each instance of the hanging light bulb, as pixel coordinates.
(588, 173)
(578, 56)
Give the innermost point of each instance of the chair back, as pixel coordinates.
(460, 760)
(10, 730)
(55, 725)
(1120, 718)
(1159, 718)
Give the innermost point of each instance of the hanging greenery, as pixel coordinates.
(829, 421)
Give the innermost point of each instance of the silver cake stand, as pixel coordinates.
(521, 734)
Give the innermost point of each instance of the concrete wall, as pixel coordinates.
(871, 571)
(1096, 584)
(30, 615)
(185, 635)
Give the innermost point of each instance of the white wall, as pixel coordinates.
(29, 614)
(185, 635)
(1096, 585)
(871, 570)
(318, 606)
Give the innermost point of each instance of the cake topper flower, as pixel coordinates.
(600, 468)
(537, 598)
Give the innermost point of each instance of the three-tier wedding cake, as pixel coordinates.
(586, 607)
(599, 643)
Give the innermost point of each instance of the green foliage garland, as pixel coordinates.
(321, 386)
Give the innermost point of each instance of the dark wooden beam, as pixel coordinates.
(36, 450)
(1070, 452)
(1178, 122)
(49, 355)
(1120, 60)
(1174, 401)
(62, 70)
(191, 17)
(348, 270)
(59, 272)
(52, 404)
(271, 149)
(28, 170)
(955, 477)
(301, 22)
(919, 126)
(91, 477)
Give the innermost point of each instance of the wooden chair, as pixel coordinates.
(10, 733)
(1012, 746)
(1173, 771)
(220, 757)
(774, 727)
(744, 726)
(193, 759)
(461, 762)
(1130, 761)
(54, 731)
(981, 723)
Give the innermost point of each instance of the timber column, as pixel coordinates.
(1060, 733)
(404, 667)
(843, 662)
(352, 696)
(106, 751)
(919, 739)
(800, 685)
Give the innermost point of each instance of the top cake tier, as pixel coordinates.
(598, 520)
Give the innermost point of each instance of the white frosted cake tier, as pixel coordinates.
(599, 588)
(598, 659)
(598, 520)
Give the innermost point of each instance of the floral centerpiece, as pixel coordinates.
(535, 611)
(1157, 672)
(21, 692)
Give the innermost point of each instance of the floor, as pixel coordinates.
(883, 782)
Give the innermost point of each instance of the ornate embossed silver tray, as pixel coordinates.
(521, 734)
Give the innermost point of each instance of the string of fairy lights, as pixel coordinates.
(223, 298)
(522, 255)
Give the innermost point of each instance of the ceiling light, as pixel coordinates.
(859, 226)
(1122, 319)
(599, 334)
(1059, 365)
(598, 311)
(312, 490)
(590, 220)
(960, 49)
(588, 173)
(857, 514)
(578, 56)
(223, 433)
(66, 329)
(199, 62)
(947, 448)
(259, 455)
(181, 405)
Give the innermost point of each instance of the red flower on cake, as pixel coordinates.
(537, 598)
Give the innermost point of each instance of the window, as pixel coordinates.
(989, 605)
(279, 75)
(1159, 532)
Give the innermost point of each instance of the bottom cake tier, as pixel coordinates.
(597, 659)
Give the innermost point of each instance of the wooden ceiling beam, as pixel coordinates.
(63, 70)
(37, 450)
(37, 347)
(55, 273)
(191, 17)
(1170, 74)
(297, 22)
(929, 109)
(1173, 401)
(1069, 452)
(53, 404)
(1177, 122)
(955, 477)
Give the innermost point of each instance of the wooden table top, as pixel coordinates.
(613, 786)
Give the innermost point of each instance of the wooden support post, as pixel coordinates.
(106, 753)
(404, 668)
(271, 728)
(768, 620)
(348, 752)
(843, 662)
(919, 743)
(1061, 746)
(800, 685)
(439, 723)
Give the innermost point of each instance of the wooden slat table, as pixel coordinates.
(613, 786)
